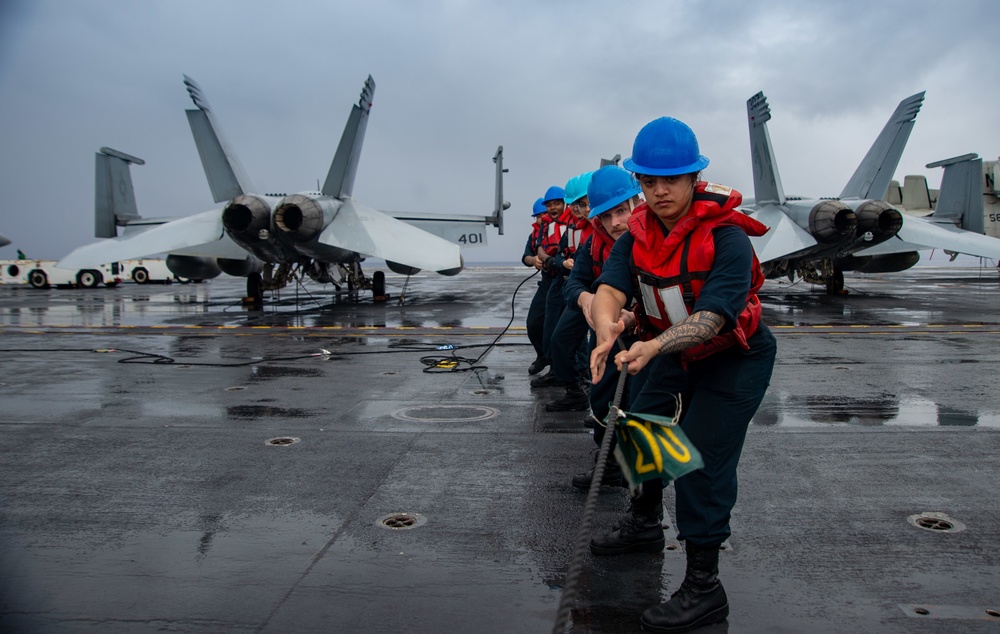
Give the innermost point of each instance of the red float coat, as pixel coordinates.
(672, 268)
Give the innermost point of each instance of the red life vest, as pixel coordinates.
(577, 233)
(600, 246)
(672, 267)
(550, 235)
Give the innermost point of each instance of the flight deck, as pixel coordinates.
(177, 460)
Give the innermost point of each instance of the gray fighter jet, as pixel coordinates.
(819, 239)
(815, 238)
(325, 234)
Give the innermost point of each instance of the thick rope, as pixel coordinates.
(589, 507)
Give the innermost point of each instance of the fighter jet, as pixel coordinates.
(4, 240)
(819, 239)
(815, 238)
(325, 234)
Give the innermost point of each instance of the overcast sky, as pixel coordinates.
(558, 84)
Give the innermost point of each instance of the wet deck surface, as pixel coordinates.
(138, 491)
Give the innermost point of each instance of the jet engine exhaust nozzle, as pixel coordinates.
(299, 217)
(245, 216)
(832, 220)
(880, 218)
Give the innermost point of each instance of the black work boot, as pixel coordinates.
(612, 476)
(639, 533)
(539, 364)
(699, 601)
(546, 380)
(575, 400)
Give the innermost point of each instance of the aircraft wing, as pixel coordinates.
(200, 234)
(373, 233)
(920, 234)
(783, 238)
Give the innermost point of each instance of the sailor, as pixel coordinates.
(535, 320)
(568, 343)
(552, 223)
(689, 261)
(614, 193)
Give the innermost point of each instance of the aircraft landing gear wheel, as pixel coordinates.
(89, 278)
(38, 279)
(378, 286)
(255, 288)
(835, 283)
(140, 275)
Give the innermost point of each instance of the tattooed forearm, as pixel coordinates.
(696, 329)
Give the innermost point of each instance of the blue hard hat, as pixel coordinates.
(609, 187)
(665, 147)
(538, 208)
(553, 193)
(576, 187)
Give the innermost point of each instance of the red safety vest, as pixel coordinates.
(551, 234)
(600, 247)
(672, 268)
(577, 233)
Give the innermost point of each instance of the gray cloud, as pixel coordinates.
(558, 84)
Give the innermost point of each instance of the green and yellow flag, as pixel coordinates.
(650, 446)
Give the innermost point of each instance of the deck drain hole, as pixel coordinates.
(281, 441)
(922, 611)
(481, 391)
(993, 613)
(937, 522)
(445, 413)
(390, 373)
(236, 388)
(401, 521)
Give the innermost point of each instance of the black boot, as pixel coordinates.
(639, 533)
(539, 364)
(546, 380)
(612, 476)
(575, 400)
(699, 601)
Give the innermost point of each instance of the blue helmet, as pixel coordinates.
(576, 187)
(538, 208)
(665, 147)
(554, 193)
(609, 187)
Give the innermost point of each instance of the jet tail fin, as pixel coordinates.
(960, 199)
(114, 197)
(226, 177)
(340, 179)
(766, 182)
(871, 179)
(499, 204)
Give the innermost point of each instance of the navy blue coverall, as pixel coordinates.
(720, 394)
